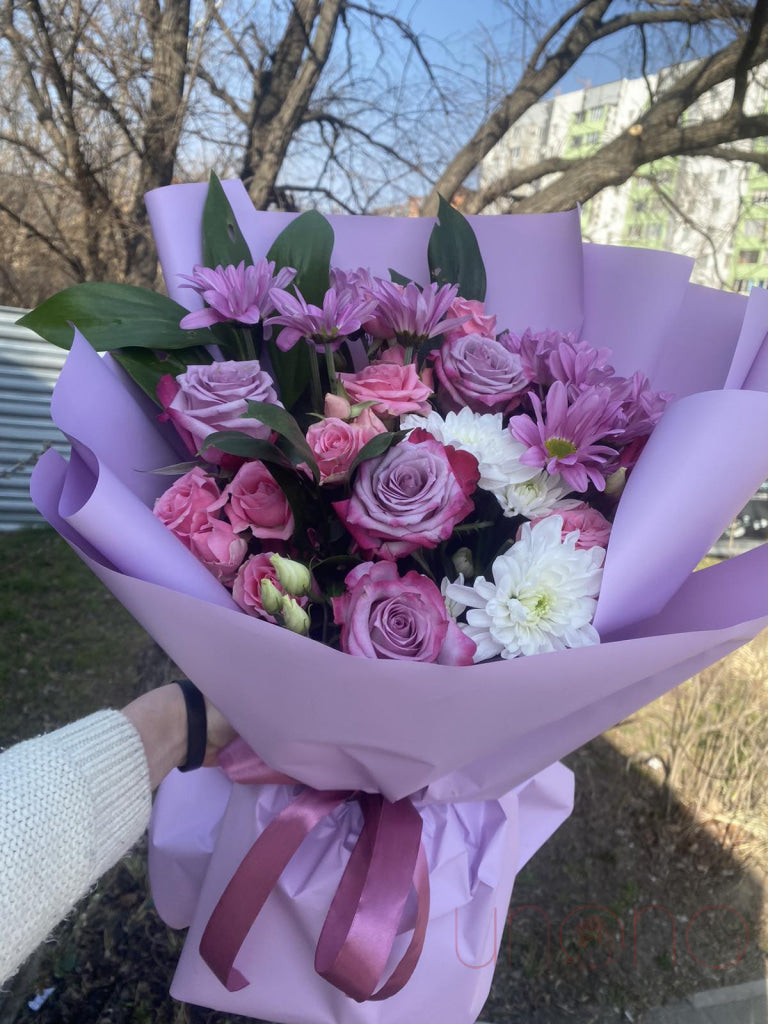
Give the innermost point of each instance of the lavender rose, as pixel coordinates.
(404, 619)
(215, 397)
(410, 498)
(479, 372)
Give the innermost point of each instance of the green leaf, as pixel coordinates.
(285, 425)
(178, 470)
(397, 278)
(113, 316)
(375, 447)
(306, 245)
(454, 255)
(223, 241)
(146, 368)
(235, 442)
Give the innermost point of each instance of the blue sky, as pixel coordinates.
(460, 23)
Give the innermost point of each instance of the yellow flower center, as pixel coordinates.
(558, 447)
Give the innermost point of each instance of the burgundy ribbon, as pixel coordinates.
(362, 923)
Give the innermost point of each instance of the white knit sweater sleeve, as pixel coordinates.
(71, 804)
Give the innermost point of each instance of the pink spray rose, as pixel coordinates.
(335, 443)
(411, 497)
(219, 548)
(256, 503)
(188, 505)
(396, 388)
(247, 587)
(477, 322)
(385, 616)
(206, 399)
(479, 372)
(593, 528)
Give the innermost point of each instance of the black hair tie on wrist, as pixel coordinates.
(197, 725)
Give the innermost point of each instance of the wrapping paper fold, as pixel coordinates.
(451, 735)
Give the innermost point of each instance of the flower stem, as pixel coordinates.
(333, 384)
(246, 345)
(317, 387)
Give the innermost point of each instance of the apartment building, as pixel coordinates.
(713, 210)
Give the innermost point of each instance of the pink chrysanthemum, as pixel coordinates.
(412, 315)
(240, 293)
(563, 441)
(342, 315)
(578, 365)
(641, 407)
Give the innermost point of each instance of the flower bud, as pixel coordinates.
(271, 598)
(294, 616)
(294, 577)
(614, 484)
(462, 562)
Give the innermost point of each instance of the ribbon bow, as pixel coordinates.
(362, 923)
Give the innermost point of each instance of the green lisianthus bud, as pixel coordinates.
(294, 616)
(271, 598)
(614, 484)
(294, 577)
(462, 562)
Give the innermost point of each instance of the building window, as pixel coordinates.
(715, 204)
(653, 230)
(753, 228)
(596, 113)
(580, 117)
(593, 138)
(577, 141)
(640, 205)
(749, 256)
(635, 231)
(722, 174)
(741, 285)
(515, 152)
(760, 197)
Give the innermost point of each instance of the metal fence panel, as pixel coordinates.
(29, 368)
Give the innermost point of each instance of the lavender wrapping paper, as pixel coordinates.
(451, 734)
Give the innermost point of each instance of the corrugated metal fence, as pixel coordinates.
(29, 367)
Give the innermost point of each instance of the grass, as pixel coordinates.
(68, 647)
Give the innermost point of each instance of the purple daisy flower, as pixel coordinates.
(578, 365)
(342, 315)
(641, 407)
(412, 315)
(240, 293)
(563, 441)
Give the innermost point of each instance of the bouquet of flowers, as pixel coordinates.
(425, 466)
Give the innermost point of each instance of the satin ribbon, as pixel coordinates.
(362, 923)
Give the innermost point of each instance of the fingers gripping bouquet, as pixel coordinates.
(423, 467)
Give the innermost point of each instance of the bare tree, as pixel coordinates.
(306, 90)
(336, 103)
(736, 42)
(90, 118)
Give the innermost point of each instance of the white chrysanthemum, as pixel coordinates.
(543, 595)
(454, 608)
(541, 495)
(482, 435)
